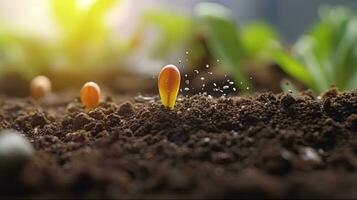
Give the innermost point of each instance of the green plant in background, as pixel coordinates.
(85, 40)
(232, 45)
(327, 54)
(19, 53)
(175, 29)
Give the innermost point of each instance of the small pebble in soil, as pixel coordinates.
(15, 150)
(309, 154)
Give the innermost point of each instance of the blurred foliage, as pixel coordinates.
(174, 29)
(83, 42)
(327, 54)
(232, 45)
(21, 54)
(85, 39)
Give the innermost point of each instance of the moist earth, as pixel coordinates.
(265, 145)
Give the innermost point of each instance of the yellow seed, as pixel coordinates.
(40, 86)
(90, 95)
(169, 84)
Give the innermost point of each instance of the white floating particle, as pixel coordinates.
(187, 89)
(241, 83)
(310, 154)
(186, 52)
(186, 75)
(228, 80)
(202, 78)
(247, 88)
(234, 89)
(214, 84)
(218, 60)
(187, 82)
(209, 96)
(207, 66)
(225, 87)
(180, 61)
(231, 82)
(210, 73)
(203, 85)
(250, 78)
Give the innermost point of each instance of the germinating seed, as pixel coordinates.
(187, 89)
(196, 71)
(40, 86)
(231, 82)
(90, 95)
(225, 87)
(169, 83)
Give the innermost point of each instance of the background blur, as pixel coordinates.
(128, 41)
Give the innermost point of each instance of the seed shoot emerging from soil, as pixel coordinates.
(169, 84)
(90, 95)
(40, 86)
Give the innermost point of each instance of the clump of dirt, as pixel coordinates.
(265, 145)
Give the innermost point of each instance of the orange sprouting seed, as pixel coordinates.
(40, 86)
(169, 84)
(90, 95)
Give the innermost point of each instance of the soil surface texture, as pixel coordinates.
(264, 145)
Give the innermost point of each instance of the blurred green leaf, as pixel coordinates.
(223, 40)
(85, 37)
(327, 52)
(174, 29)
(259, 40)
(294, 68)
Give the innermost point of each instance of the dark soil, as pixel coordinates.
(272, 146)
